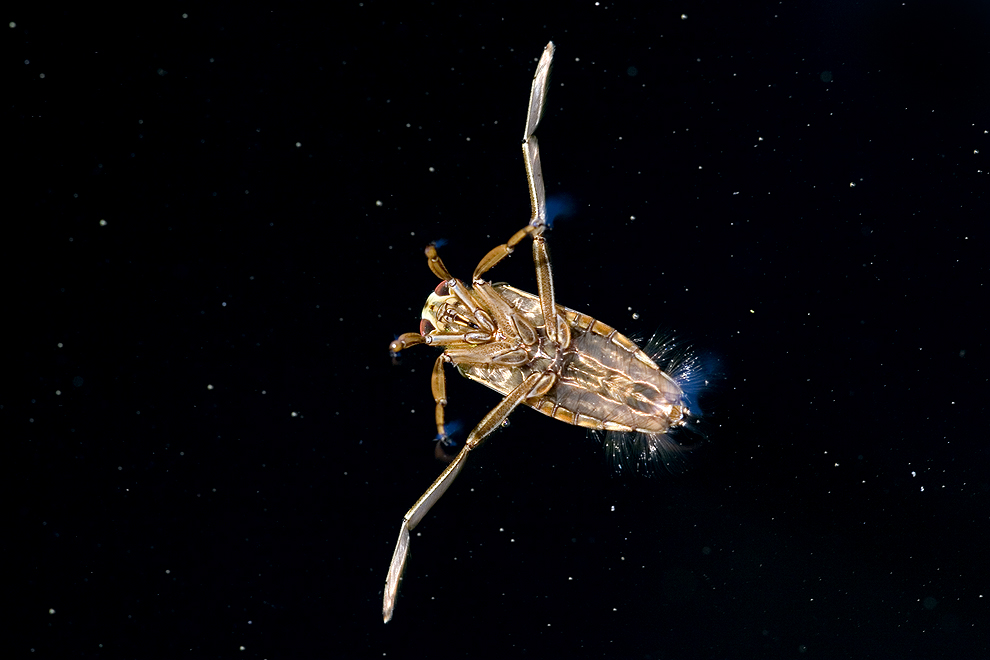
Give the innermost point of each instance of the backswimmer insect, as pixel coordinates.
(535, 352)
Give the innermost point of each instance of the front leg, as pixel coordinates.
(544, 279)
(491, 422)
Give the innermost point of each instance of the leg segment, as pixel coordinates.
(435, 264)
(438, 384)
(544, 275)
(404, 341)
(537, 197)
(496, 255)
(531, 148)
(491, 422)
(534, 172)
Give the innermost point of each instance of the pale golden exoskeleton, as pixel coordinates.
(537, 353)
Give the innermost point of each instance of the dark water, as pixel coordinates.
(210, 448)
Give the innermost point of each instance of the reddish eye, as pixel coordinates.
(425, 327)
(442, 289)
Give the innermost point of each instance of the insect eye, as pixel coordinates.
(425, 327)
(442, 289)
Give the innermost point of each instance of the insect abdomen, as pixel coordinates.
(607, 383)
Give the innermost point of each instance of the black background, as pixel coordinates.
(210, 449)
